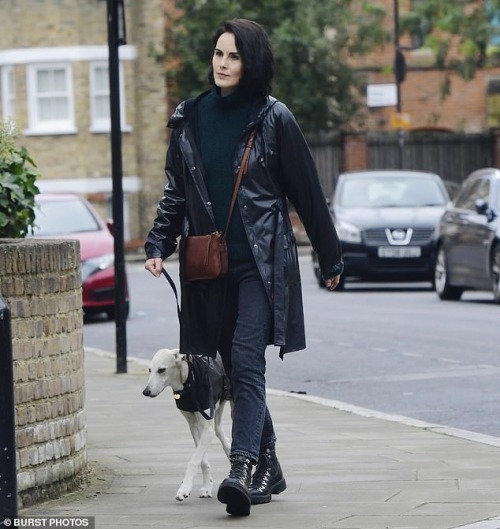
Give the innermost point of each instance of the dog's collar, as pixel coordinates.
(189, 380)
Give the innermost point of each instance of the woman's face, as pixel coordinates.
(227, 64)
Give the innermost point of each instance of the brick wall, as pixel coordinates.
(464, 110)
(469, 107)
(40, 281)
(151, 110)
(355, 152)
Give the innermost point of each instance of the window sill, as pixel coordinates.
(106, 130)
(50, 132)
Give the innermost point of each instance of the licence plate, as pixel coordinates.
(399, 251)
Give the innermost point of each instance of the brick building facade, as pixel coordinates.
(472, 106)
(54, 85)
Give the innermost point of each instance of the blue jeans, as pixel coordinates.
(245, 335)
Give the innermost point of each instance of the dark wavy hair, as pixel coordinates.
(254, 46)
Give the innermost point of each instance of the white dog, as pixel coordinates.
(191, 382)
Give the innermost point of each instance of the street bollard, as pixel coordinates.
(8, 473)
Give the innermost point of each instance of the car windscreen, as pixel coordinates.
(397, 191)
(61, 217)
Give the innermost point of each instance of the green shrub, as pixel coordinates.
(18, 174)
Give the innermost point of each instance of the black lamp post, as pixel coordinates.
(117, 37)
(399, 74)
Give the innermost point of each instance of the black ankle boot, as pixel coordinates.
(234, 490)
(268, 478)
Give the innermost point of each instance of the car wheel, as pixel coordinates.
(495, 273)
(341, 285)
(111, 312)
(444, 290)
(319, 278)
(317, 271)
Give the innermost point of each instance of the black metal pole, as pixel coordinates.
(8, 472)
(115, 26)
(398, 82)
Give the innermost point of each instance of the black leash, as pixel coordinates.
(172, 284)
(211, 394)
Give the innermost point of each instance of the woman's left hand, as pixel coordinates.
(332, 283)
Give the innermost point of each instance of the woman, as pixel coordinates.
(259, 302)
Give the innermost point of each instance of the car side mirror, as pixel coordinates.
(491, 215)
(111, 226)
(482, 208)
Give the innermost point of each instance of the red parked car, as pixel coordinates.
(68, 216)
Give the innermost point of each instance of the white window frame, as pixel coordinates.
(36, 126)
(103, 125)
(8, 93)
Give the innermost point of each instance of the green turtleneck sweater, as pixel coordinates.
(220, 124)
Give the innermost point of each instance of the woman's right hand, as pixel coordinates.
(154, 265)
(332, 283)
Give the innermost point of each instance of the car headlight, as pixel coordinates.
(94, 264)
(348, 232)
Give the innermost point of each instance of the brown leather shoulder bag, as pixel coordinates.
(205, 256)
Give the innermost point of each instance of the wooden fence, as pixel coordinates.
(451, 155)
(327, 150)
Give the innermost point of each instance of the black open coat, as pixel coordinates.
(280, 167)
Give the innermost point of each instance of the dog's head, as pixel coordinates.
(167, 368)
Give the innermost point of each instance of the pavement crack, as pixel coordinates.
(390, 498)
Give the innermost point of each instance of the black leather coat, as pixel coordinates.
(280, 167)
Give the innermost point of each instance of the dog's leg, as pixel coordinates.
(202, 435)
(187, 483)
(219, 430)
(206, 434)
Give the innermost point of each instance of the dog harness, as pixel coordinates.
(198, 392)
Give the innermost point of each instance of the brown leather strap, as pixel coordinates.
(241, 172)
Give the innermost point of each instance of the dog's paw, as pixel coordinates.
(206, 492)
(183, 493)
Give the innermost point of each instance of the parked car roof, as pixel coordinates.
(389, 172)
(490, 172)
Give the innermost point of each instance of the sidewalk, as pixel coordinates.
(346, 468)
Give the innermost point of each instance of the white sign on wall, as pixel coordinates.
(382, 95)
